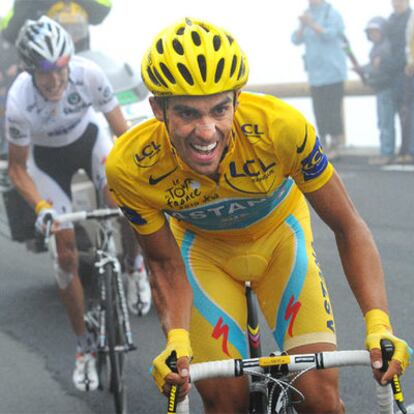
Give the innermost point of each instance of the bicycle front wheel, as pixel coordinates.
(115, 339)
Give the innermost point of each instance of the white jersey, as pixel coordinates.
(31, 119)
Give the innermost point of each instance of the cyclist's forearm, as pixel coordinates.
(172, 294)
(363, 268)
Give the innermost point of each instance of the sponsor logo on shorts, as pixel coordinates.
(291, 313)
(15, 133)
(222, 330)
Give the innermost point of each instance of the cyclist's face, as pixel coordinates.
(52, 84)
(199, 128)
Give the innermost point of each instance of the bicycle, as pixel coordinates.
(272, 377)
(107, 315)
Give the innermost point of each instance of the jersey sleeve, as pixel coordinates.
(144, 218)
(101, 90)
(16, 125)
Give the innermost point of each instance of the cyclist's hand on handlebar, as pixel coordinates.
(379, 328)
(178, 342)
(45, 213)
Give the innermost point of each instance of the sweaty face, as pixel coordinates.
(52, 84)
(199, 129)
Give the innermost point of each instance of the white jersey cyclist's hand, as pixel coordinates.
(178, 344)
(45, 212)
(378, 328)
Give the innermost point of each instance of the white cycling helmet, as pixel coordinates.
(44, 45)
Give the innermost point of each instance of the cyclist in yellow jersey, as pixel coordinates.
(233, 171)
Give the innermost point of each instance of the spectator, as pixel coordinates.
(74, 16)
(402, 85)
(378, 74)
(8, 71)
(322, 31)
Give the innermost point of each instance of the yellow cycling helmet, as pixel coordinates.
(193, 57)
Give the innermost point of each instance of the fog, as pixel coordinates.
(263, 29)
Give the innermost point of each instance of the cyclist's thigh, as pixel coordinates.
(219, 308)
(319, 387)
(225, 395)
(50, 190)
(293, 294)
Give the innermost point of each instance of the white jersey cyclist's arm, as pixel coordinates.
(18, 173)
(116, 121)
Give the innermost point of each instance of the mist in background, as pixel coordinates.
(263, 29)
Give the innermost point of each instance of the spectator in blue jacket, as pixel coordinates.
(321, 30)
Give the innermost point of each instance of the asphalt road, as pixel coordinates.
(37, 348)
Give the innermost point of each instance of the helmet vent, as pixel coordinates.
(230, 39)
(185, 74)
(241, 70)
(159, 77)
(196, 38)
(152, 77)
(216, 42)
(160, 47)
(180, 31)
(202, 65)
(178, 47)
(167, 73)
(219, 70)
(233, 65)
(49, 45)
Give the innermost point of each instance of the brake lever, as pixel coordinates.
(173, 395)
(387, 351)
(49, 223)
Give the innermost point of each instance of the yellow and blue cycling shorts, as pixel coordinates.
(285, 275)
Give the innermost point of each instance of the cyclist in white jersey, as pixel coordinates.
(53, 131)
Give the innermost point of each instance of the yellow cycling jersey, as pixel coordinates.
(273, 157)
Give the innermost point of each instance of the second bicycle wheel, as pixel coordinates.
(115, 339)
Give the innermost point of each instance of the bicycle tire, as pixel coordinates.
(115, 338)
(94, 295)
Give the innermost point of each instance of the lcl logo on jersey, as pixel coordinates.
(251, 168)
(251, 130)
(315, 163)
(148, 155)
